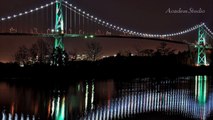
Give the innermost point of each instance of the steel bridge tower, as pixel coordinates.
(201, 47)
(59, 54)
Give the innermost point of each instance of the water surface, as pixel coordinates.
(189, 97)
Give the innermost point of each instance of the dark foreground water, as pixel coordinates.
(141, 98)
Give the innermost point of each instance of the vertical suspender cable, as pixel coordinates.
(74, 28)
(51, 18)
(19, 24)
(26, 23)
(79, 23)
(66, 20)
(47, 20)
(36, 29)
(70, 22)
(83, 24)
(88, 27)
(31, 22)
(42, 21)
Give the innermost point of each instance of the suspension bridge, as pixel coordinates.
(60, 19)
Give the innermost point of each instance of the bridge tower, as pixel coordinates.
(59, 54)
(201, 47)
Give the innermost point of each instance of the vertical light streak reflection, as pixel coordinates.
(122, 107)
(93, 93)
(3, 116)
(153, 101)
(201, 89)
(28, 117)
(135, 101)
(16, 116)
(173, 101)
(205, 89)
(132, 103)
(93, 115)
(108, 112)
(196, 87)
(111, 110)
(147, 99)
(49, 109)
(155, 97)
(62, 111)
(100, 114)
(142, 101)
(33, 117)
(165, 101)
(22, 117)
(150, 101)
(104, 113)
(118, 108)
(96, 115)
(86, 96)
(53, 107)
(125, 106)
(114, 108)
(128, 105)
(10, 116)
(57, 107)
(138, 102)
(12, 108)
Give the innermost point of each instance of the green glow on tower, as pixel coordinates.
(59, 54)
(59, 26)
(201, 46)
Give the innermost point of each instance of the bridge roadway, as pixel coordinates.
(94, 36)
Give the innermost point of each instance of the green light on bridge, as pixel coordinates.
(89, 36)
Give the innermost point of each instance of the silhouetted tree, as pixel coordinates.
(40, 51)
(22, 55)
(164, 50)
(34, 53)
(93, 50)
(144, 52)
(147, 52)
(60, 57)
(138, 51)
(72, 55)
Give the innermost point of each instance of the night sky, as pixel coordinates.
(149, 16)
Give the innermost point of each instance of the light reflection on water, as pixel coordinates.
(191, 97)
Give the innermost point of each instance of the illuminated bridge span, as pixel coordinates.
(95, 36)
(60, 19)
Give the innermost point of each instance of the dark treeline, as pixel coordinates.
(120, 66)
(147, 62)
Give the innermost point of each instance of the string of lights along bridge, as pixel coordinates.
(60, 19)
